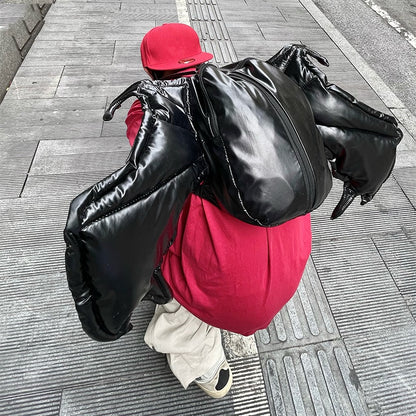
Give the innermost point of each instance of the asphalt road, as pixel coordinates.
(384, 49)
(404, 11)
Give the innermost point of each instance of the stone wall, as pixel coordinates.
(19, 25)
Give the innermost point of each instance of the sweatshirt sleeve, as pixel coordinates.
(134, 121)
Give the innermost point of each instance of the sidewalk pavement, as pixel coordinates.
(344, 345)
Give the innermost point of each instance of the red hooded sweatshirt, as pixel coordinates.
(230, 274)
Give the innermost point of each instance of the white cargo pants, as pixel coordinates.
(192, 347)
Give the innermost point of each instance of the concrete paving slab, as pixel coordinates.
(116, 128)
(94, 90)
(338, 347)
(86, 81)
(408, 118)
(45, 362)
(134, 32)
(70, 184)
(54, 59)
(18, 108)
(40, 70)
(405, 159)
(45, 404)
(48, 82)
(224, 53)
(408, 142)
(15, 150)
(88, 75)
(385, 213)
(399, 254)
(130, 10)
(164, 394)
(63, 131)
(207, 21)
(78, 8)
(91, 145)
(127, 54)
(23, 211)
(35, 261)
(405, 178)
(25, 93)
(44, 118)
(285, 34)
(150, 383)
(49, 165)
(57, 35)
(385, 363)
(61, 48)
(14, 165)
(362, 298)
(11, 183)
(390, 196)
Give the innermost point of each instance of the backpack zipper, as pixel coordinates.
(212, 119)
(297, 144)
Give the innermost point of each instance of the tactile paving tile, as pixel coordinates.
(305, 319)
(316, 379)
(385, 363)
(207, 20)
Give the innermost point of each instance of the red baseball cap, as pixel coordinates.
(172, 46)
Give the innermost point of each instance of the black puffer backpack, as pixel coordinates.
(266, 159)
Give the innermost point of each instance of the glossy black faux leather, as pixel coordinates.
(266, 158)
(360, 141)
(119, 229)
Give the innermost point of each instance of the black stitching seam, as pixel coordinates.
(235, 183)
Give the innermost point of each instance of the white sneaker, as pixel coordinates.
(218, 384)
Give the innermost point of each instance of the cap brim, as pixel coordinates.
(188, 62)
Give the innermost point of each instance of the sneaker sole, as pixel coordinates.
(222, 392)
